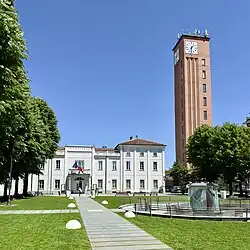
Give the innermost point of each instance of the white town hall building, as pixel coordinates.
(132, 166)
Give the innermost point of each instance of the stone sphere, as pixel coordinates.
(129, 214)
(92, 196)
(73, 224)
(71, 198)
(71, 205)
(105, 202)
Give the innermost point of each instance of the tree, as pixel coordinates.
(233, 153)
(43, 140)
(14, 90)
(201, 150)
(180, 175)
(221, 152)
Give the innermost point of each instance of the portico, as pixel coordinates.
(76, 180)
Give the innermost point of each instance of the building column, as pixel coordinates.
(121, 171)
(135, 168)
(148, 171)
(163, 171)
(92, 167)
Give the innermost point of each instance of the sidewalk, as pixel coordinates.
(62, 211)
(108, 231)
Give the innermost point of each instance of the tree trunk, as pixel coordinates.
(230, 188)
(5, 191)
(16, 187)
(25, 185)
(241, 189)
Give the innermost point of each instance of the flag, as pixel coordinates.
(79, 165)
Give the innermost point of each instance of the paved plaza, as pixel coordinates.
(107, 230)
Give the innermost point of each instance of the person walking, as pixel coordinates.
(80, 191)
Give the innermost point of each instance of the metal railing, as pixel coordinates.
(182, 210)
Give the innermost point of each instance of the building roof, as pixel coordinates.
(141, 142)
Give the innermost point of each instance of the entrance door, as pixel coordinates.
(80, 184)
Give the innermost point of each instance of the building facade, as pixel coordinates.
(192, 88)
(132, 166)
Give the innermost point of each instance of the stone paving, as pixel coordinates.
(61, 211)
(108, 231)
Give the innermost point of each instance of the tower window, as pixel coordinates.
(204, 74)
(182, 129)
(205, 115)
(204, 101)
(204, 88)
(203, 62)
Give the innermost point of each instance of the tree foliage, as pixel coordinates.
(221, 151)
(28, 126)
(180, 175)
(14, 88)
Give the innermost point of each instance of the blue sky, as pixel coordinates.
(106, 67)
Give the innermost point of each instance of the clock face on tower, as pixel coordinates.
(176, 56)
(191, 47)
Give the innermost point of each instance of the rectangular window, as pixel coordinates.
(204, 88)
(155, 154)
(41, 184)
(203, 62)
(42, 167)
(128, 184)
(204, 101)
(142, 184)
(182, 89)
(181, 64)
(141, 166)
(204, 74)
(100, 184)
(182, 116)
(128, 154)
(99, 165)
(155, 183)
(182, 103)
(58, 164)
(114, 166)
(57, 184)
(141, 154)
(128, 165)
(205, 115)
(114, 184)
(155, 166)
(182, 129)
(183, 143)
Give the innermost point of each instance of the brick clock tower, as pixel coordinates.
(192, 88)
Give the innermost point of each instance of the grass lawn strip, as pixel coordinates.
(41, 232)
(191, 234)
(39, 203)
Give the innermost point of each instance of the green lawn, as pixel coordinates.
(38, 232)
(39, 202)
(116, 201)
(194, 234)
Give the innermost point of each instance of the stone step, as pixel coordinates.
(152, 247)
(144, 242)
(123, 238)
(114, 230)
(97, 236)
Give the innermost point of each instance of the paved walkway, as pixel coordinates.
(64, 211)
(108, 231)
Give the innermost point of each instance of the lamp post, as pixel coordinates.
(10, 180)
